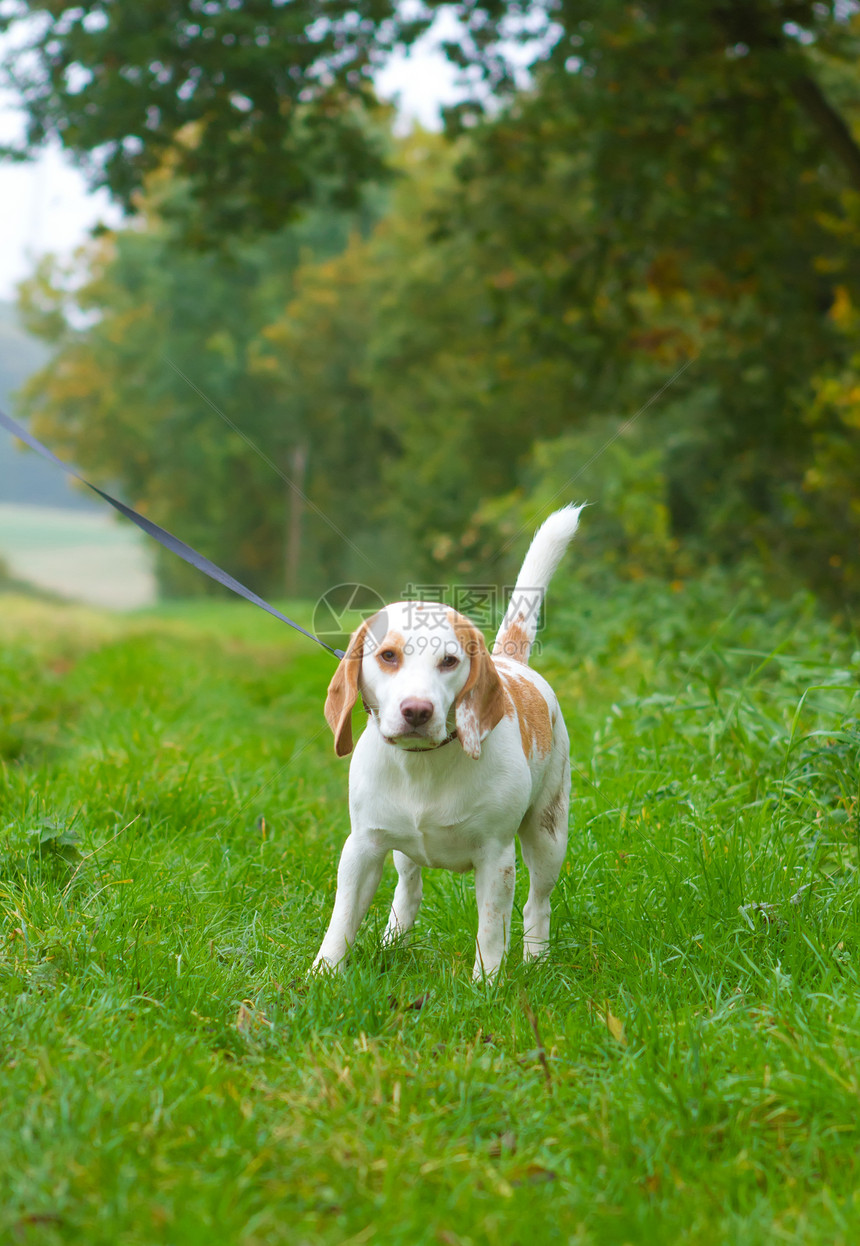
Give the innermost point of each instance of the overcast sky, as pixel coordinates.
(45, 205)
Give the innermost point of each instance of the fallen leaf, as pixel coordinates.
(533, 1174)
(21, 1229)
(505, 1144)
(613, 1025)
(249, 1019)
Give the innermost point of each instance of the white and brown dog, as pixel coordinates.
(463, 752)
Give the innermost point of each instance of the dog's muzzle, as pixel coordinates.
(414, 743)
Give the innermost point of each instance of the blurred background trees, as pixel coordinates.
(434, 338)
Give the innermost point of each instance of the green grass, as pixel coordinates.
(170, 819)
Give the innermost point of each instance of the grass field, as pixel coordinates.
(685, 1067)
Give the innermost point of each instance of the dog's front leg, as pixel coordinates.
(495, 876)
(358, 877)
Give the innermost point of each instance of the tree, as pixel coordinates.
(154, 384)
(258, 103)
(262, 108)
(313, 355)
(713, 146)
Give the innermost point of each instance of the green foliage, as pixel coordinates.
(170, 1074)
(625, 532)
(259, 107)
(164, 391)
(829, 511)
(691, 195)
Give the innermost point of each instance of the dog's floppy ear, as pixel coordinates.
(480, 704)
(343, 693)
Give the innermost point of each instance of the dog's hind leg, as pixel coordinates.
(407, 898)
(495, 876)
(543, 842)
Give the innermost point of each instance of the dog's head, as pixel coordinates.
(423, 671)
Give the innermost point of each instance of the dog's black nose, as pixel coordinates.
(416, 713)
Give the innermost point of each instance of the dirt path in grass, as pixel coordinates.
(81, 556)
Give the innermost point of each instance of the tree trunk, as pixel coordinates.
(831, 125)
(297, 465)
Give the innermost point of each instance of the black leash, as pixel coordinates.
(165, 538)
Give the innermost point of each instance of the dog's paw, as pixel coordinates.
(322, 966)
(392, 935)
(485, 973)
(534, 951)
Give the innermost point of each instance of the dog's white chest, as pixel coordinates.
(438, 822)
(428, 842)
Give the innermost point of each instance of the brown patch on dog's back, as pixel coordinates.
(532, 713)
(514, 642)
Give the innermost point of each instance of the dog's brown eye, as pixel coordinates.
(449, 662)
(388, 655)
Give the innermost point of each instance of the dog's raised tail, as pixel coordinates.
(519, 626)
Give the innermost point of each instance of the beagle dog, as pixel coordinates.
(464, 751)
